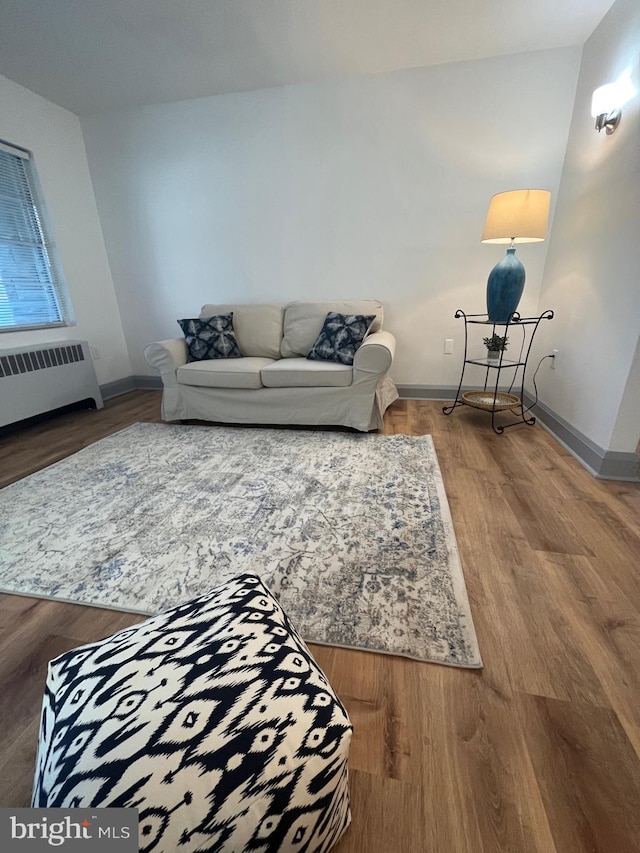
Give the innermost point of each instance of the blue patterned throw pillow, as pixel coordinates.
(212, 337)
(340, 337)
(212, 719)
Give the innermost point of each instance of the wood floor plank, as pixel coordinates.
(17, 763)
(500, 804)
(548, 523)
(587, 773)
(537, 752)
(608, 631)
(392, 813)
(615, 545)
(26, 684)
(558, 660)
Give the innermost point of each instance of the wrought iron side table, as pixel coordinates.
(490, 399)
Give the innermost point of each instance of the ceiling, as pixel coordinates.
(96, 55)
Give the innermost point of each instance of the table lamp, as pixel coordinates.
(517, 216)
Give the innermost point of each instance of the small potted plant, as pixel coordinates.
(495, 345)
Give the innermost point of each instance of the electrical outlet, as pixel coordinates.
(448, 346)
(554, 360)
(95, 353)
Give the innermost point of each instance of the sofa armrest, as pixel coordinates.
(375, 354)
(167, 357)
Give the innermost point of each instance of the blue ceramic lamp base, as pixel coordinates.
(504, 287)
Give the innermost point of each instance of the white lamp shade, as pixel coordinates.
(518, 215)
(604, 100)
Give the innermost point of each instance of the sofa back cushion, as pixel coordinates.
(258, 328)
(304, 320)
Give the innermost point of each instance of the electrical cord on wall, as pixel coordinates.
(528, 409)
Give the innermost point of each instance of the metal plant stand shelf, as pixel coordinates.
(490, 399)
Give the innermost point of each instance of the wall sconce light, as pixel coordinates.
(605, 108)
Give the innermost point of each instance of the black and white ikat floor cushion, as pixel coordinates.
(212, 719)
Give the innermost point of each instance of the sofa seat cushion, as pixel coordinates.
(258, 328)
(224, 373)
(302, 373)
(303, 322)
(212, 719)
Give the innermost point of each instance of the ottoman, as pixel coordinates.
(212, 719)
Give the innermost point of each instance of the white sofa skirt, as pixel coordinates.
(360, 406)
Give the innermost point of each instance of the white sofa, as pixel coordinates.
(274, 382)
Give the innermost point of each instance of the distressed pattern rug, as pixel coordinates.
(351, 531)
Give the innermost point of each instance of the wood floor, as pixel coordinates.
(539, 752)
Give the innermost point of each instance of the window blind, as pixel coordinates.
(32, 289)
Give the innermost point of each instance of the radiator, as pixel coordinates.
(43, 377)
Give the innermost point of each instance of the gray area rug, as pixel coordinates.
(351, 531)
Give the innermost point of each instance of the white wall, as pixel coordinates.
(592, 271)
(54, 137)
(370, 186)
(628, 420)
